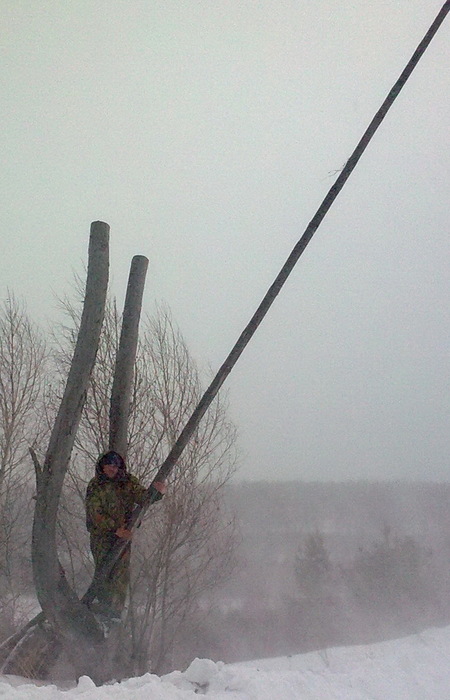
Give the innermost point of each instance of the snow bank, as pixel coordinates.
(413, 668)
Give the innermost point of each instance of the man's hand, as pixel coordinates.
(123, 533)
(160, 486)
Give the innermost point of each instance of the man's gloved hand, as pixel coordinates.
(123, 533)
(156, 491)
(160, 486)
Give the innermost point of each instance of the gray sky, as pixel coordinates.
(206, 133)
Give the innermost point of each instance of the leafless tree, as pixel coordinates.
(186, 543)
(189, 546)
(22, 378)
(22, 368)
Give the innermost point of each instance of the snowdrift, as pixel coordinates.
(412, 668)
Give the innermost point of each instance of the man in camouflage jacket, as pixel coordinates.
(110, 498)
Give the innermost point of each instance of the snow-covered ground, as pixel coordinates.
(412, 668)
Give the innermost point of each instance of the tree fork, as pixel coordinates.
(70, 617)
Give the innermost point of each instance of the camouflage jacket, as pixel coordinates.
(109, 503)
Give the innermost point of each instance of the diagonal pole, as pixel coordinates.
(297, 251)
(270, 295)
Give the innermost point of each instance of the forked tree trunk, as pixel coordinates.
(32, 650)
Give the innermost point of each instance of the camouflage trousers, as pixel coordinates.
(113, 591)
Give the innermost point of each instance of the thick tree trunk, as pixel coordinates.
(126, 356)
(59, 603)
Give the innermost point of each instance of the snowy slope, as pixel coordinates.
(413, 668)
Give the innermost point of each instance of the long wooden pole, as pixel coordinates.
(297, 251)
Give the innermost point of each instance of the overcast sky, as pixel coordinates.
(206, 133)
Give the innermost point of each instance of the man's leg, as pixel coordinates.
(100, 546)
(120, 580)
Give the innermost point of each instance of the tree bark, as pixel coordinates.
(59, 602)
(126, 356)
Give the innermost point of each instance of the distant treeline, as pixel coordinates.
(323, 564)
(349, 515)
(317, 565)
